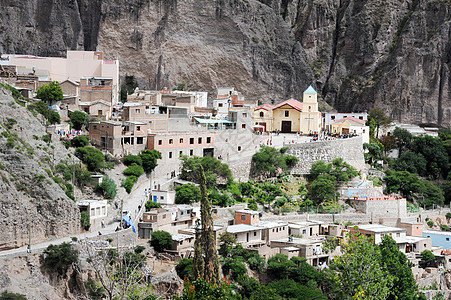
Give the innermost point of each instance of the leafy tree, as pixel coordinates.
(388, 142)
(267, 162)
(80, 141)
(161, 240)
(404, 182)
(403, 138)
(380, 120)
(107, 187)
(435, 154)
(129, 84)
(359, 269)
(247, 189)
(187, 194)
(213, 169)
(50, 92)
(373, 154)
(427, 255)
(323, 188)
(226, 242)
(200, 289)
(149, 159)
(42, 108)
(411, 162)
(54, 117)
(233, 266)
(84, 219)
(222, 200)
(123, 95)
(184, 268)
(59, 257)
(396, 263)
(128, 183)
(256, 262)
(152, 204)
(79, 119)
(134, 170)
(96, 291)
(12, 296)
(290, 289)
(279, 266)
(132, 159)
(92, 157)
(340, 170)
(290, 160)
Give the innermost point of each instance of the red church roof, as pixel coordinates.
(265, 107)
(291, 102)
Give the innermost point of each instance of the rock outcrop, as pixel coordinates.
(358, 54)
(32, 205)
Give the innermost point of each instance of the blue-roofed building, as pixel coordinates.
(310, 90)
(310, 121)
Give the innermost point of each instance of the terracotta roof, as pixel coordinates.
(291, 102)
(362, 122)
(265, 107)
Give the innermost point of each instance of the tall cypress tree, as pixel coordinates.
(206, 263)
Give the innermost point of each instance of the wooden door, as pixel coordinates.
(286, 126)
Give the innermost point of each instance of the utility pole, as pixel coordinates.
(29, 236)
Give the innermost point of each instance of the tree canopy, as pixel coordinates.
(50, 92)
(79, 119)
(378, 119)
(270, 162)
(187, 194)
(149, 159)
(161, 240)
(215, 171)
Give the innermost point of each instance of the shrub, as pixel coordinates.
(134, 170)
(54, 117)
(12, 296)
(256, 262)
(152, 204)
(161, 240)
(252, 205)
(132, 159)
(95, 289)
(59, 257)
(220, 199)
(291, 160)
(187, 194)
(444, 227)
(78, 119)
(234, 266)
(107, 187)
(80, 141)
(128, 183)
(430, 223)
(184, 268)
(92, 157)
(46, 138)
(149, 159)
(10, 122)
(427, 255)
(84, 219)
(448, 216)
(138, 249)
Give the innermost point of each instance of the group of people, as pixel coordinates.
(70, 133)
(173, 175)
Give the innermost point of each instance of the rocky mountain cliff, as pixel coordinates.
(394, 54)
(31, 203)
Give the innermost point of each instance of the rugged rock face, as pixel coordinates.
(31, 203)
(358, 54)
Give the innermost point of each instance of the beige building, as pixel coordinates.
(263, 116)
(76, 65)
(353, 126)
(286, 116)
(310, 119)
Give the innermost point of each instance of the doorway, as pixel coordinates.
(286, 126)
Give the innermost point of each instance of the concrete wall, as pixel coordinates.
(350, 150)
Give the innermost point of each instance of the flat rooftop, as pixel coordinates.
(377, 228)
(242, 228)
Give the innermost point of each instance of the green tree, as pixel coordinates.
(79, 119)
(411, 162)
(92, 157)
(359, 270)
(396, 263)
(132, 159)
(290, 289)
(187, 194)
(84, 219)
(403, 139)
(323, 188)
(267, 162)
(134, 170)
(149, 159)
(235, 267)
(12, 296)
(214, 171)
(107, 187)
(427, 256)
(152, 204)
(50, 92)
(60, 257)
(226, 242)
(380, 120)
(373, 153)
(161, 240)
(80, 141)
(184, 268)
(435, 154)
(129, 84)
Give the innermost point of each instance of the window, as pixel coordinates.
(191, 141)
(181, 141)
(243, 217)
(140, 140)
(191, 152)
(181, 213)
(170, 154)
(180, 153)
(93, 212)
(287, 113)
(219, 104)
(138, 128)
(99, 112)
(186, 222)
(243, 126)
(304, 231)
(332, 117)
(363, 130)
(94, 126)
(447, 239)
(164, 216)
(255, 233)
(424, 245)
(361, 118)
(199, 140)
(171, 141)
(244, 115)
(161, 197)
(239, 148)
(397, 234)
(345, 116)
(208, 140)
(137, 111)
(160, 142)
(262, 114)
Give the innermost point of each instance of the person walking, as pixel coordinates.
(28, 249)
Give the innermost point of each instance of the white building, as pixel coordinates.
(331, 117)
(246, 234)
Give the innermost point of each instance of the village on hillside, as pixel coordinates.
(231, 129)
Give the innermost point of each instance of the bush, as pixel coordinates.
(132, 159)
(252, 205)
(138, 249)
(444, 227)
(149, 159)
(427, 255)
(187, 194)
(235, 266)
(430, 223)
(54, 117)
(152, 204)
(46, 138)
(291, 160)
(448, 216)
(96, 290)
(128, 183)
(134, 170)
(256, 262)
(161, 240)
(59, 257)
(84, 219)
(107, 187)
(184, 268)
(220, 199)
(92, 157)
(12, 296)
(80, 141)
(78, 119)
